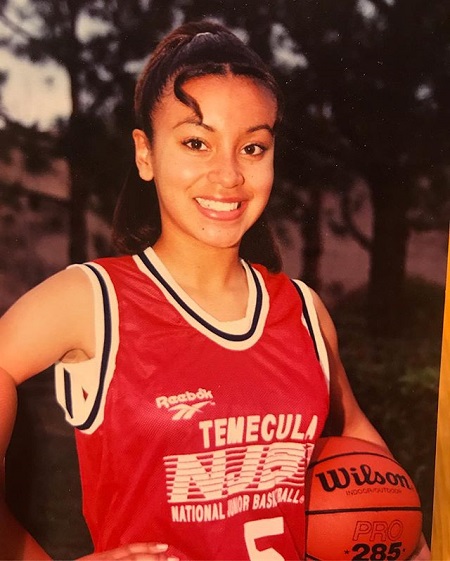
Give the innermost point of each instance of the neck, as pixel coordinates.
(213, 277)
(201, 267)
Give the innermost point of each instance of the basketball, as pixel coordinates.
(360, 503)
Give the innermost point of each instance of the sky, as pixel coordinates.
(33, 93)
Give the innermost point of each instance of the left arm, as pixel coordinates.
(346, 417)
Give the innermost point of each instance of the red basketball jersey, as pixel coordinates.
(191, 431)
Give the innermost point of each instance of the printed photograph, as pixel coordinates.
(224, 233)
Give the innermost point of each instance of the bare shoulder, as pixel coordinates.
(69, 288)
(346, 417)
(53, 319)
(325, 321)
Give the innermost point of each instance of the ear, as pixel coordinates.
(143, 155)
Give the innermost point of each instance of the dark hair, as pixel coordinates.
(192, 50)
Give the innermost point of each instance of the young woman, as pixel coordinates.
(198, 382)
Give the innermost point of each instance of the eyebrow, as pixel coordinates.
(197, 122)
(262, 127)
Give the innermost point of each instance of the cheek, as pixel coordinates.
(173, 179)
(178, 173)
(263, 181)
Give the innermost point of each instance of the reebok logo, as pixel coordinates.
(186, 411)
(182, 403)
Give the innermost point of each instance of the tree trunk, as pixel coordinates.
(311, 234)
(388, 257)
(78, 235)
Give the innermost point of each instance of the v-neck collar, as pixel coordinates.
(236, 335)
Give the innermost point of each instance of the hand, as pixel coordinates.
(422, 551)
(133, 552)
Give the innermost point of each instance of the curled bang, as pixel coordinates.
(213, 50)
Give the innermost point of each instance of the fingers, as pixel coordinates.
(138, 551)
(134, 552)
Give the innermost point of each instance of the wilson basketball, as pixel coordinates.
(360, 503)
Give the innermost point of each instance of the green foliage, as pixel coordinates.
(396, 380)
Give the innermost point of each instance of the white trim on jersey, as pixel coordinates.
(316, 331)
(82, 387)
(236, 335)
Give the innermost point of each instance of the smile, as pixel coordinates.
(219, 206)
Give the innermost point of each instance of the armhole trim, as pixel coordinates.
(82, 387)
(311, 322)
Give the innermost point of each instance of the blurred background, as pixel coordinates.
(360, 206)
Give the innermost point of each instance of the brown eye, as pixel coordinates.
(195, 144)
(254, 150)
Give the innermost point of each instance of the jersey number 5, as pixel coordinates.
(259, 529)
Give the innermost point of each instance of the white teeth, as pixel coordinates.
(220, 206)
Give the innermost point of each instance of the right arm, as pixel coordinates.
(15, 542)
(52, 320)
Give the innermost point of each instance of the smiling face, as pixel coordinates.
(213, 176)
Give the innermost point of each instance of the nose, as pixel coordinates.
(225, 171)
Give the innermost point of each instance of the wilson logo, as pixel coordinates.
(186, 411)
(341, 478)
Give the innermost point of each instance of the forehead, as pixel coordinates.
(221, 98)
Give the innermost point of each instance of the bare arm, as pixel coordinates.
(53, 319)
(46, 324)
(52, 322)
(15, 542)
(346, 417)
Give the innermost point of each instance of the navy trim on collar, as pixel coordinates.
(229, 336)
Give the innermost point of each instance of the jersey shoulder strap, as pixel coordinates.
(81, 387)
(311, 322)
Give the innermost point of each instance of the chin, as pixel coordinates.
(223, 245)
(220, 241)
